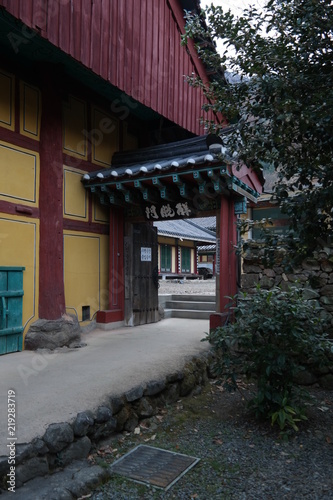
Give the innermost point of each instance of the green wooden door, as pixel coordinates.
(165, 258)
(11, 300)
(186, 260)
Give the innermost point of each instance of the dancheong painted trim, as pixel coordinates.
(170, 179)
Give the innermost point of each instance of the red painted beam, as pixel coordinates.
(18, 209)
(51, 284)
(91, 227)
(116, 307)
(18, 139)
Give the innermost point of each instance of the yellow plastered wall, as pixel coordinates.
(75, 195)
(100, 213)
(75, 128)
(19, 173)
(192, 260)
(30, 111)
(187, 243)
(7, 100)
(166, 240)
(104, 137)
(85, 272)
(173, 260)
(19, 246)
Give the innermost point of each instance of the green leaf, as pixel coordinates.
(283, 56)
(282, 418)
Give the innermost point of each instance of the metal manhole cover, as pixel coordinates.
(153, 466)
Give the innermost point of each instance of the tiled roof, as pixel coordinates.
(207, 248)
(205, 222)
(184, 229)
(194, 171)
(158, 159)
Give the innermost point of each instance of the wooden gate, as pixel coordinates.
(141, 275)
(11, 300)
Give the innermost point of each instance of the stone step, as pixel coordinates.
(187, 314)
(194, 298)
(190, 305)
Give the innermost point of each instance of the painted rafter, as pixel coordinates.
(242, 189)
(159, 188)
(197, 176)
(166, 192)
(108, 196)
(148, 193)
(182, 186)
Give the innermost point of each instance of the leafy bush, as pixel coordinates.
(274, 336)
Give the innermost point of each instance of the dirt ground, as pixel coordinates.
(241, 458)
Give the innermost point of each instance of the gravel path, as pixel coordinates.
(240, 459)
(190, 287)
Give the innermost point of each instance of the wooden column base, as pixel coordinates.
(109, 316)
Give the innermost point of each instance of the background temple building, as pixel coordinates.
(81, 84)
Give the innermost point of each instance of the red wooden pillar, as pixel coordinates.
(115, 310)
(51, 282)
(228, 258)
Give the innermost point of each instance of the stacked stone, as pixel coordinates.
(66, 442)
(315, 274)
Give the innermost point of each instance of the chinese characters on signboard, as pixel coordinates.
(166, 211)
(145, 254)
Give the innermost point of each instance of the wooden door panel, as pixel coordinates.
(145, 276)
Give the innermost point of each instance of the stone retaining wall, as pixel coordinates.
(65, 442)
(316, 274)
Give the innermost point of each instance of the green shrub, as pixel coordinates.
(274, 336)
